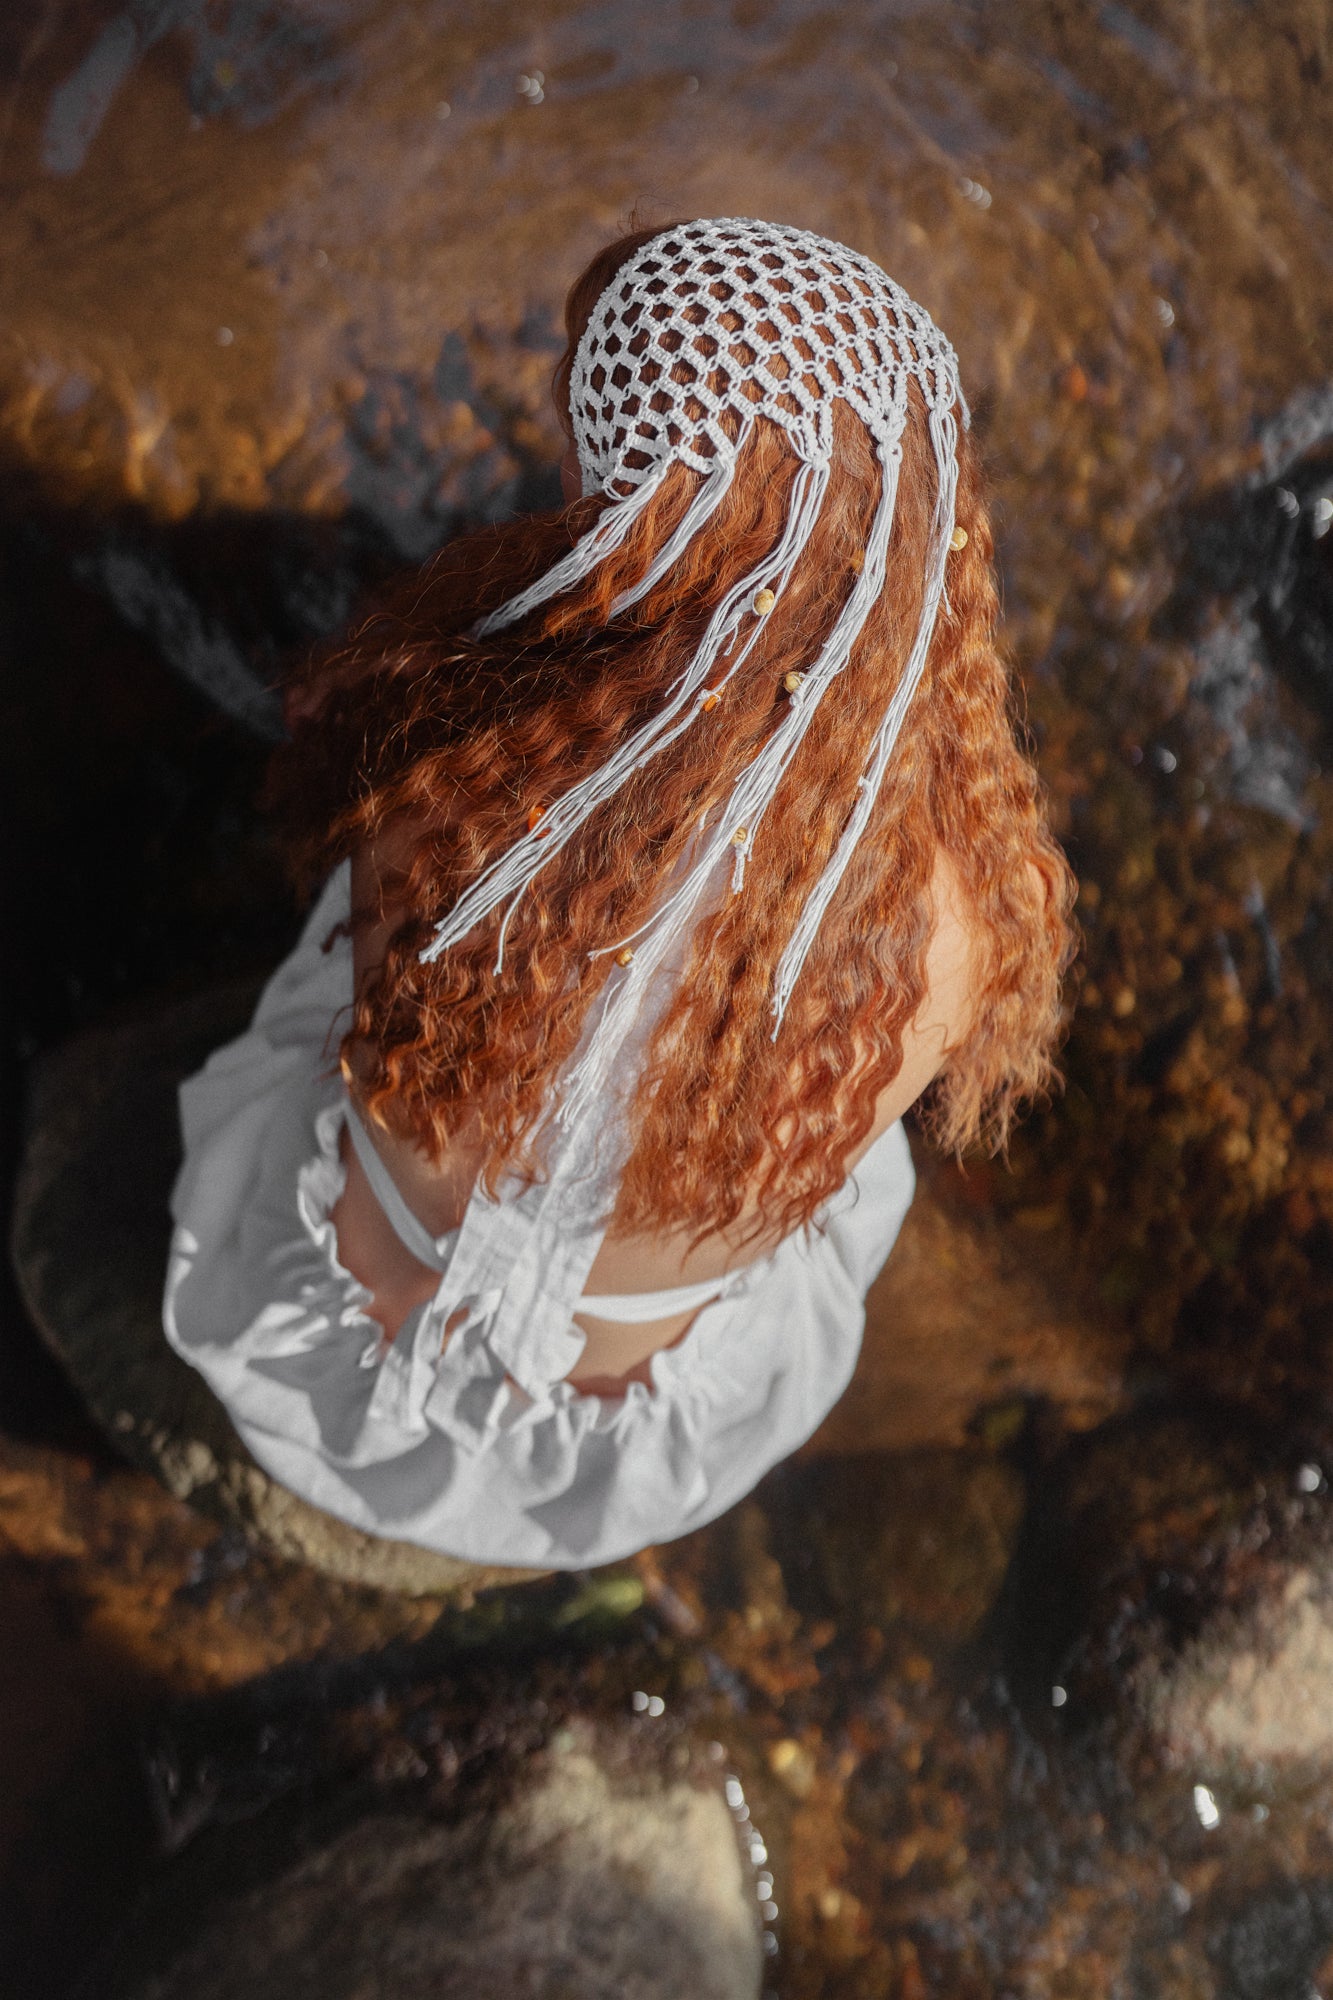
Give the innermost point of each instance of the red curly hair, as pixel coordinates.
(412, 725)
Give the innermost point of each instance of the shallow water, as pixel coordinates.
(279, 296)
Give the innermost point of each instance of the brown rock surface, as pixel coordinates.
(177, 1600)
(921, 1539)
(268, 325)
(972, 1312)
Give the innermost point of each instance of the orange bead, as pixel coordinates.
(535, 815)
(710, 702)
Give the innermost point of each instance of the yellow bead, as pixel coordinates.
(764, 600)
(625, 956)
(741, 835)
(958, 539)
(793, 681)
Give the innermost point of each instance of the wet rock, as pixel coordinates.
(90, 1239)
(974, 1310)
(591, 1880)
(922, 1538)
(1254, 1689)
(1132, 1526)
(1277, 1947)
(1184, 1575)
(180, 1602)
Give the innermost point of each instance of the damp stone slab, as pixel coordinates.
(91, 1230)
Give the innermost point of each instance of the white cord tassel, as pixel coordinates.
(607, 533)
(507, 878)
(712, 492)
(733, 837)
(944, 436)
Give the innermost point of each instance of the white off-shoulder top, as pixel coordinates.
(474, 1444)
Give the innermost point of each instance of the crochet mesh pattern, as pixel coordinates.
(716, 323)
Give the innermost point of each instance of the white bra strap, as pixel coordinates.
(631, 1308)
(637, 1308)
(434, 1252)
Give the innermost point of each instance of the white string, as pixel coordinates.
(704, 505)
(506, 879)
(607, 533)
(944, 435)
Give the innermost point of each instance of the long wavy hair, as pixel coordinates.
(412, 728)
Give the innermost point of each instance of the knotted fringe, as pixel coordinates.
(733, 836)
(712, 491)
(607, 533)
(506, 879)
(667, 929)
(944, 437)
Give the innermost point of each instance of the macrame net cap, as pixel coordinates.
(705, 330)
(713, 324)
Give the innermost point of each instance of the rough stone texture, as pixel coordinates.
(90, 1238)
(923, 1537)
(585, 1886)
(1181, 1572)
(1255, 1689)
(177, 1601)
(973, 1311)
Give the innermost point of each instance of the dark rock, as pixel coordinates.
(1273, 1948)
(91, 1229)
(922, 1538)
(1181, 1569)
(590, 1880)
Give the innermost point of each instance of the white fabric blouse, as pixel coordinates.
(474, 1444)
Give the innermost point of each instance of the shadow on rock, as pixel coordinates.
(475, 1840)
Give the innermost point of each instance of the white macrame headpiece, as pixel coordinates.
(757, 320)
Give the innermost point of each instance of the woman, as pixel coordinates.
(680, 841)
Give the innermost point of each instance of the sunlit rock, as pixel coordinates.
(181, 1603)
(1178, 1578)
(970, 1315)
